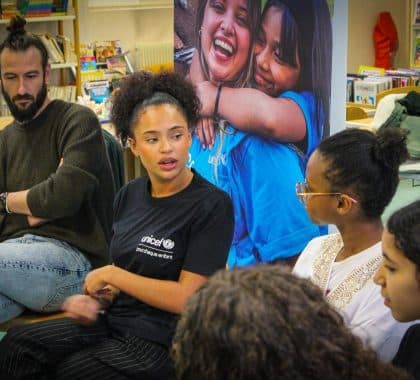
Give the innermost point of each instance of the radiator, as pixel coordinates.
(150, 55)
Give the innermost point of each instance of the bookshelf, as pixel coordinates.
(72, 17)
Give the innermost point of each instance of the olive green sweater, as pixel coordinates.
(76, 197)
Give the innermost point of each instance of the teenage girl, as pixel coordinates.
(399, 279)
(350, 179)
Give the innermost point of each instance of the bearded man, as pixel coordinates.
(56, 187)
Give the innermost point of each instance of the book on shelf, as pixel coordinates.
(67, 48)
(59, 7)
(88, 63)
(371, 70)
(37, 8)
(67, 93)
(9, 9)
(416, 19)
(106, 49)
(54, 52)
(404, 77)
(417, 49)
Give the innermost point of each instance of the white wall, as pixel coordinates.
(129, 26)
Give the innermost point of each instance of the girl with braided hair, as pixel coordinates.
(350, 179)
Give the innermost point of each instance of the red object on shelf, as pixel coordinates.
(385, 38)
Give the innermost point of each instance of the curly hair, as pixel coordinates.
(404, 224)
(367, 163)
(142, 89)
(20, 40)
(266, 323)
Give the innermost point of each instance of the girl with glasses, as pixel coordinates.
(350, 179)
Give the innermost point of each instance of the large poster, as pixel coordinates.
(262, 70)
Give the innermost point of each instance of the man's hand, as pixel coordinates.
(34, 221)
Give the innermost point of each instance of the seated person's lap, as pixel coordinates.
(38, 273)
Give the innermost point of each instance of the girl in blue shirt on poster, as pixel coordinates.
(260, 174)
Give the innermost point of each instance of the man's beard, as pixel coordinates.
(26, 114)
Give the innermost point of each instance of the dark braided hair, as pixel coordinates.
(367, 163)
(142, 89)
(266, 323)
(19, 39)
(404, 224)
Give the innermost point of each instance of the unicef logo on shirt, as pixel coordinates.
(168, 244)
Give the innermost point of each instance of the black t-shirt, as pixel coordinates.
(158, 237)
(408, 355)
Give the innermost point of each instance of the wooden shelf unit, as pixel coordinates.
(73, 17)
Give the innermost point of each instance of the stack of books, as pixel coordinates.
(9, 9)
(30, 8)
(404, 77)
(38, 8)
(67, 93)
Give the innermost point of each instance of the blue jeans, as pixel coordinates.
(38, 273)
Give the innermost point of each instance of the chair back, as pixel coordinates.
(115, 154)
(396, 90)
(355, 113)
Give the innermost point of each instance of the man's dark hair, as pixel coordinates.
(265, 323)
(19, 39)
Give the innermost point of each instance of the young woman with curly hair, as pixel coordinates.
(171, 230)
(265, 323)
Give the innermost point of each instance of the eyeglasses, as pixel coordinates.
(303, 193)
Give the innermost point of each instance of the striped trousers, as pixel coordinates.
(62, 349)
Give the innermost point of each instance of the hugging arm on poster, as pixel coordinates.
(253, 111)
(250, 110)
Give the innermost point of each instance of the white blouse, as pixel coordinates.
(348, 286)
